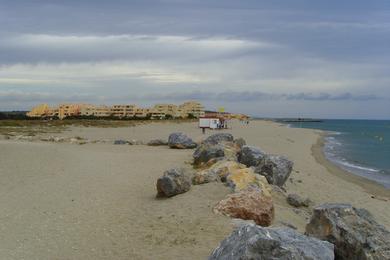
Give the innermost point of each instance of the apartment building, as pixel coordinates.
(123, 110)
(41, 110)
(99, 111)
(142, 112)
(192, 107)
(158, 111)
(66, 110)
(161, 111)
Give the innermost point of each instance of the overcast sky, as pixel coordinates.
(328, 59)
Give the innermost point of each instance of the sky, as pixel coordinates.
(323, 59)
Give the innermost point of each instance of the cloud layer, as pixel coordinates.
(224, 53)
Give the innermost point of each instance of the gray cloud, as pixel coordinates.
(219, 51)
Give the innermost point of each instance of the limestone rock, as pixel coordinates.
(255, 242)
(218, 138)
(251, 156)
(173, 182)
(354, 232)
(217, 172)
(248, 204)
(157, 142)
(297, 201)
(180, 141)
(240, 179)
(275, 168)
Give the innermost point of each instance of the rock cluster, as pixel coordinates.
(335, 230)
(255, 242)
(354, 232)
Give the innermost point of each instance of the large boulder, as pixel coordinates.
(241, 179)
(251, 156)
(217, 172)
(180, 141)
(173, 182)
(255, 242)
(354, 232)
(275, 168)
(218, 138)
(248, 204)
(206, 152)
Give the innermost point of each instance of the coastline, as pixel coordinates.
(370, 186)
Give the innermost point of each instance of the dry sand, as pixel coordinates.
(97, 201)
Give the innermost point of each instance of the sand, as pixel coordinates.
(97, 201)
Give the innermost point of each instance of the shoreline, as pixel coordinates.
(370, 186)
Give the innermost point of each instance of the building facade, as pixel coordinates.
(158, 111)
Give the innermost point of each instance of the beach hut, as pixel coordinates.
(209, 122)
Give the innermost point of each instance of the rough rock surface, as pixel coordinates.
(275, 168)
(354, 232)
(157, 142)
(218, 138)
(297, 201)
(173, 182)
(240, 142)
(248, 204)
(251, 156)
(115, 142)
(255, 242)
(217, 172)
(240, 179)
(180, 141)
(206, 152)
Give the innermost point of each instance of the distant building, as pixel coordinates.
(123, 111)
(66, 110)
(142, 112)
(161, 111)
(41, 110)
(193, 108)
(158, 111)
(99, 111)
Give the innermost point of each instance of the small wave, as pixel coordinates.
(345, 163)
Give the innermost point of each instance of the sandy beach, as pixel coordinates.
(97, 200)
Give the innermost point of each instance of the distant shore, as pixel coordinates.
(370, 186)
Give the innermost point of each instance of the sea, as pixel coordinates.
(361, 147)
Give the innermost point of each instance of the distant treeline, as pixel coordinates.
(13, 115)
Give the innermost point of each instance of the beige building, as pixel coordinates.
(99, 111)
(142, 112)
(66, 110)
(161, 111)
(158, 111)
(192, 107)
(123, 110)
(41, 110)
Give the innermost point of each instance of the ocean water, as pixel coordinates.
(361, 147)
